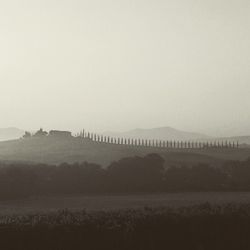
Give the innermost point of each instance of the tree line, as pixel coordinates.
(128, 175)
(156, 143)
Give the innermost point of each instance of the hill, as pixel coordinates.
(162, 133)
(168, 133)
(10, 133)
(74, 149)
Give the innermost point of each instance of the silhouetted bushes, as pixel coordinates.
(128, 175)
(136, 174)
(191, 228)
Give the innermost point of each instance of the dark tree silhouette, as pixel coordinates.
(40, 133)
(27, 135)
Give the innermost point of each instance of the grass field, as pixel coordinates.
(198, 227)
(102, 202)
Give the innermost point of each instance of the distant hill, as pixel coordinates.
(163, 133)
(168, 133)
(10, 133)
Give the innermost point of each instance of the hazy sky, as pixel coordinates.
(123, 64)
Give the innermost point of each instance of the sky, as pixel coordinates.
(125, 64)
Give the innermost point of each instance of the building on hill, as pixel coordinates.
(60, 134)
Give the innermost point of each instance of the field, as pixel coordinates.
(198, 227)
(115, 202)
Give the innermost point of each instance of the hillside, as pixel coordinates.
(58, 150)
(162, 133)
(168, 133)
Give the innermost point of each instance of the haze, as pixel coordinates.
(119, 65)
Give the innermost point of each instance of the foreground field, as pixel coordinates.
(113, 202)
(202, 227)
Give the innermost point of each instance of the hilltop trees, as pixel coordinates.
(40, 133)
(27, 135)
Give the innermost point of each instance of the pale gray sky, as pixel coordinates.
(123, 64)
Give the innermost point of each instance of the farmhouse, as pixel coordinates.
(60, 134)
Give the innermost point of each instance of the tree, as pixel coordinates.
(27, 135)
(40, 133)
(136, 173)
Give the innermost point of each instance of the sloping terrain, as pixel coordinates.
(162, 133)
(58, 150)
